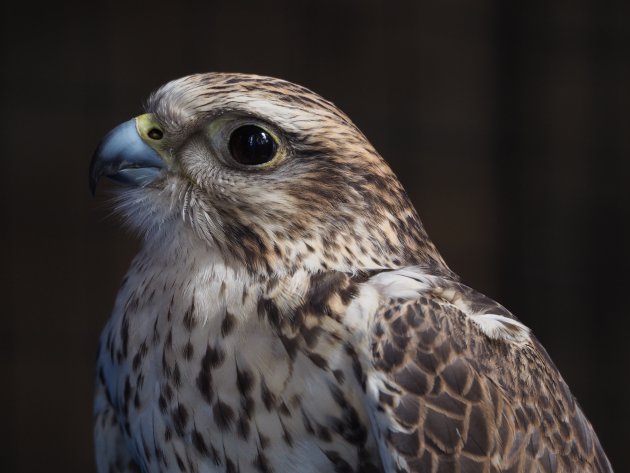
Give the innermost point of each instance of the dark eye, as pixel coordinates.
(251, 145)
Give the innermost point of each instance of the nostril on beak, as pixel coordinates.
(155, 134)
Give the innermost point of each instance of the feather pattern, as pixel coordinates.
(296, 316)
(455, 390)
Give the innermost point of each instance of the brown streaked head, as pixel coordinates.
(274, 176)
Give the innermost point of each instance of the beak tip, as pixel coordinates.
(124, 157)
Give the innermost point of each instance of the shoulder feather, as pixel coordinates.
(456, 381)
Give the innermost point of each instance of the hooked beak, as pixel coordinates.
(128, 154)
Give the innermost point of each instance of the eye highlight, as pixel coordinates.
(251, 145)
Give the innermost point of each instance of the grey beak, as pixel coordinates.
(124, 157)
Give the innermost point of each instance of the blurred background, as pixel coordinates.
(508, 123)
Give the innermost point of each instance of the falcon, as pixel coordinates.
(287, 311)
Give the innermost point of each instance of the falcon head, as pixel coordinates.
(267, 172)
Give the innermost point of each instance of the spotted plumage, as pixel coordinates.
(287, 311)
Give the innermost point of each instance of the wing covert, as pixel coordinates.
(451, 398)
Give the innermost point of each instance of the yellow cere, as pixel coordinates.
(144, 124)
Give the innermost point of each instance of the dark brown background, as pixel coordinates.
(507, 122)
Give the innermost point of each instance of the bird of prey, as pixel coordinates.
(287, 311)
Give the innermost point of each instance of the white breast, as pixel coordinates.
(189, 312)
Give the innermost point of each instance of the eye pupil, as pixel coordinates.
(155, 134)
(251, 145)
